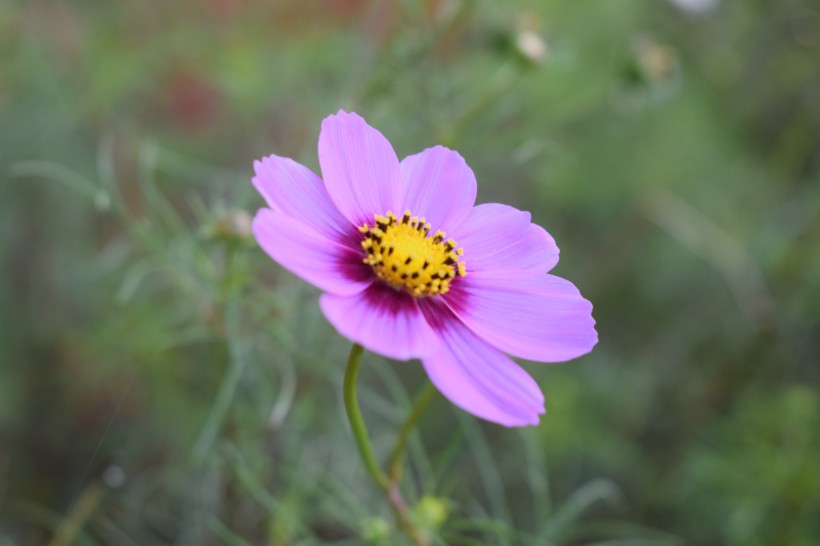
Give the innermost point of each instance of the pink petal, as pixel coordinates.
(295, 190)
(310, 255)
(383, 320)
(439, 186)
(526, 314)
(360, 168)
(497, 236)
(478, 378)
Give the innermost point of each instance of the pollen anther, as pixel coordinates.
(402, 254)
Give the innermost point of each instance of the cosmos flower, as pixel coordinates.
(412, 268)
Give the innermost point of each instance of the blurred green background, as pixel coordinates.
(163, 382)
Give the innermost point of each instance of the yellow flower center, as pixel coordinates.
(401, 253)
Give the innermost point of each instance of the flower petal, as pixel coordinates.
(383, 320)
(438, 185)
(295, 190)
(477, 377)
(306, 253)
(526, 314)
(359, 167)
(496, 236)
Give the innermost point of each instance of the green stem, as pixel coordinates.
(354, 415)
(82, 510)
(387, 484)
(237, 362)
(423, 400)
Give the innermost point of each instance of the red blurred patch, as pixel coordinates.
(226, 9)
(345, 7)
(192, 100)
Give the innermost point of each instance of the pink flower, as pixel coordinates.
(412, 268)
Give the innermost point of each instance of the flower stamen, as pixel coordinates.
(402, 254)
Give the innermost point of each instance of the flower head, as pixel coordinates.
(412, 268)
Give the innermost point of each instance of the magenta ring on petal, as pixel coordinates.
(412, 268)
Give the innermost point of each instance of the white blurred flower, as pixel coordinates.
(114, 476)
(696, 6)
(529, 42)
(532, 46)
